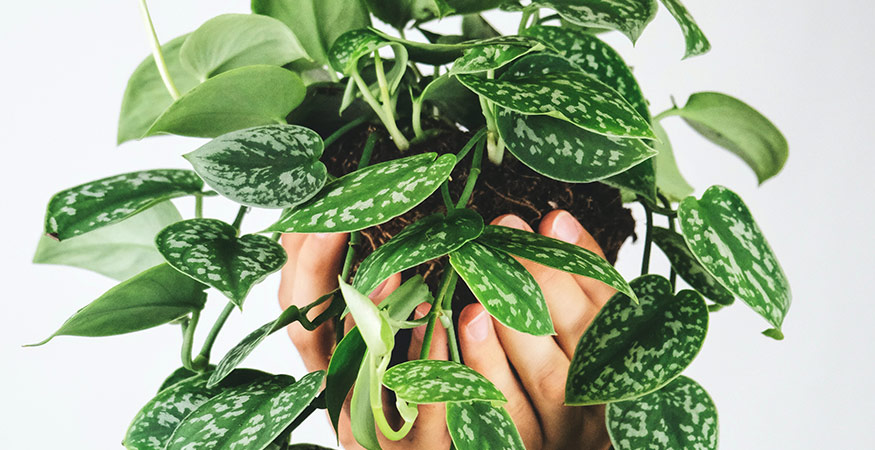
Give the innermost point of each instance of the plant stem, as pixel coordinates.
(470, 144)
(447, 318)
(203, 358)
(667, 113)
(445, 195)
(156, 52)
(416, 117)
(648, 240)
(454, 345)
(343, 130)
(386, 99)
(241, 213)
(376, 400)
(672, 275)
(473, 174)
(435, 311)
(388, 119)
(188, 339)
(198, 206)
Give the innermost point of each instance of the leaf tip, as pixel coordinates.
(774, 333)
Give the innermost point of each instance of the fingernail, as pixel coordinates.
(478, 328)
(378, 290)
(420, 312)
(512, 221)
(566, 227)
(322, 235)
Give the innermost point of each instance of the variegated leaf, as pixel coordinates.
(92, 205)
(351, 46)
(178, 375)
(239, 352)
(638, 180)
(490, 57)
(209, 251)
(630, 350)
(426, 239)
(482, 426)
(697, 43)
(435, 381)
(686, 265)
(437, 53)
(680, 416)
(723, 235)
(504, 287)
(249, 416)
(626, 16)
(370, 196)
(554, 253)
(271, 166)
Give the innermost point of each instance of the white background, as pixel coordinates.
(807, 65)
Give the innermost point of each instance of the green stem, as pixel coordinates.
(445, 195)
(435, 311)
(343, 130)
(386, 100)
(470, 144)
(356, 237)
(668, 212)
(454, 345)
(672, 275)
(447, 318)
(199, 206)
(203, 358)
(377, 401)
(241, 213)
(388, 119)
(416, 118)
(473, 174)
(667, 113)
(648, 240)
(528, 12)
(188, 339)
(156, 52)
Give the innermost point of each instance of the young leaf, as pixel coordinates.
(681, 415)
(146, 96)
(726, 240)
(96, 204)
(346, 360)
(490, 57)
(119, 251)
(370, 196)
(433, 381)
(426, 239)
(353, 45)
(316, 23)
(155, 297)
(230, 41)
(504, 287)
(249, 416)
(361, 416)
(686, 265)
(735, 126)
(639, 180)
(697, 43)
(372, 324)
(668, 176)
(554, 253)
(237, 99)
(271, 166)
(626, 16)
(209, 251)
(482, 426)
(630, 350)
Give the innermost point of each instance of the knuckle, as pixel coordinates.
(550, 383)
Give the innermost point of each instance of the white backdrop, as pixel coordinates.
(807, 65)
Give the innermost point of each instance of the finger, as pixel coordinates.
(292, 243)
(483, 352)
(430, 428)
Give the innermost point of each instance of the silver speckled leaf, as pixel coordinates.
(504, 287)
(271, 166)
(686, 265)
(680, 416)
(697, 43)
(723, 235)
(92, 205)
(239, 352)
(209, 251)
(490, 57)
(434, 381)
(639, 180)
(630, 350)
(370, 196)
(482, 426)
(626, 16)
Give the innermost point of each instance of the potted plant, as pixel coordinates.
(409, 146)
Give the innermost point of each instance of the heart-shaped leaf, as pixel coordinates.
(554, 253)
(630, 350)
(504, 287)
(230, 41)
(735, 126)
(626, 16)
(119, 251)
(686, 265)
(697, 43)
(234, 100)
(155, 297)
(490, 57)
(482, 426)
(426, 239)
(271, 166)
(370, 196)
(726, 240)
(209, 251)
(681, 415)
(92, 205)
(435, 381)
(249, 416)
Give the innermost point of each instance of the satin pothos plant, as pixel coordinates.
(274, 88)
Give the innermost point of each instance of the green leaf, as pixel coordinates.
(371, 323)
(209, 251)
(271, 166)
(353, 45)
(231, 41)
(490, 57)
(668, 176)
(435, 381)
(102, 202)
(639, 179)
(361, 416)
(681, 415)
(155, 297)
(249, 416)
(146, 97)
(554, 253)
(697, 43)
(626, 16)
(237, 99)
(178, 375)
(370, 196)
(346, 360)
(735, 126)
(686, 265)
(426, 239)
(454, 101)
(316, 23)
(630, 350)
(119, 251)
(474, 26)
(504, 287)
(482, 426)
(399, 13)
(726, 240)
